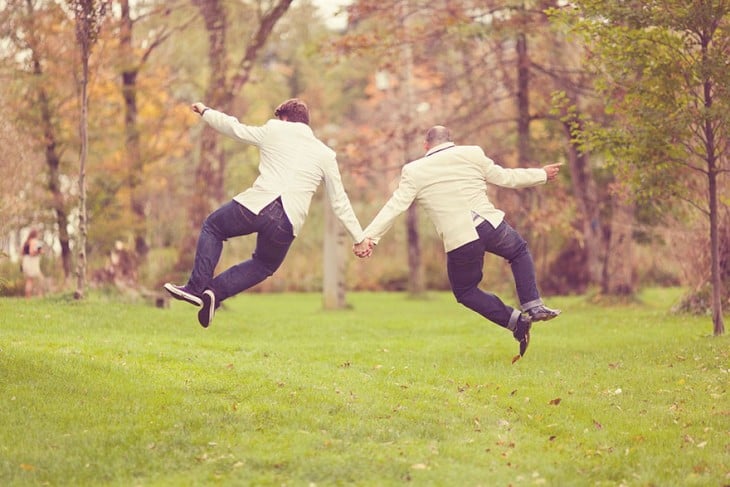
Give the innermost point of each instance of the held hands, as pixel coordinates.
(363, 249)
(552, 170)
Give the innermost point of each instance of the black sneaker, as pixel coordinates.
(542, 313)
(522, 332)
(183, 294)
(207, 310)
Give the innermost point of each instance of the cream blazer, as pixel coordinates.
(450, 183)
(293, 163)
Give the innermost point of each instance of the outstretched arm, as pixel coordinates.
(228, 125)
(397, 204)
(552, 170)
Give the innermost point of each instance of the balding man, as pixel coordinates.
(450, 183)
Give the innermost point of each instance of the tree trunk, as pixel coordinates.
(208, 187)
(526, 199)
(523, 101)
(620, 256)
(718, 323)
(416, 281)
(53, 158)
(333, 285)
(586, 196)
(135, 164)
(83, 230)
(53, 161)
(208, 181)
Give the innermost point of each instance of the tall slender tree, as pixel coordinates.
(89, 15)
(134, 57)
(662, 67)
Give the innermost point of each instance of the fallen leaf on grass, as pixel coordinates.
(27, 467)
(555, 402)
(597, 425)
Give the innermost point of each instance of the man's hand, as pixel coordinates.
(198, 107)
(552, 170)
(363, 249)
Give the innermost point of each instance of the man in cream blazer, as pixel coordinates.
(450, 183)
(293, 163)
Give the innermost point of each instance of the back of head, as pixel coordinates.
(294, 110)
(438, 134)
(33, 234)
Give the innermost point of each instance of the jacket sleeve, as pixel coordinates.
(510, 177)
(231, 127)
(340, 202)
(399, 202)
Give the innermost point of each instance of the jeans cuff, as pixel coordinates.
(531, 304)
(513, 320)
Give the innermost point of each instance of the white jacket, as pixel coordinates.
(293, 162)
(450, 183)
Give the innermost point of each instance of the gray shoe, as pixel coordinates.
(522, 332)
(183, 294)
(207, 310)
(542, 313)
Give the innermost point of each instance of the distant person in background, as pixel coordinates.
(31, 263)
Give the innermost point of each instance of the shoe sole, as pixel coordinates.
(544, 317)
(207, 309)
(181, 295)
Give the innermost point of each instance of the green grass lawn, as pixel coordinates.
(391, 392)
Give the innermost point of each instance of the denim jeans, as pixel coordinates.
(274, 237)
(465, 266)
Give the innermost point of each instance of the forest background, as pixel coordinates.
(632, 96)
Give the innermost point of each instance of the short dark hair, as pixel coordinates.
(294, 109)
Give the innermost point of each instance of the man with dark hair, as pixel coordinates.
(294, 110)
(450, 182)
(293, 162)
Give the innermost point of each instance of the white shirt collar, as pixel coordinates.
(440, 147)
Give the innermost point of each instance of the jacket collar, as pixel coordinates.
(439, 148)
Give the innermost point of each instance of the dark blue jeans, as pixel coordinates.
(465, 273)
(274, 237)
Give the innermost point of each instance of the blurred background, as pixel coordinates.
(631, 97)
